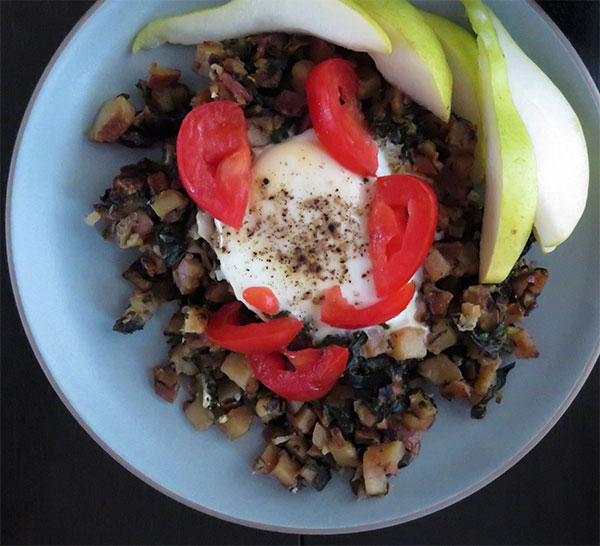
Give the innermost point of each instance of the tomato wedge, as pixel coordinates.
(213, 158)
(316, 372)
(225, 330)
(334, 108)
(401, 227)
(337, 312)
(262, 298)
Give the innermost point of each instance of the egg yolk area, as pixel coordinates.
(305, 231)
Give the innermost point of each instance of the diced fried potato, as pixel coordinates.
(294, 406)
(469, 315)
(142, 306)
(320, 438)
(187, 274)
(200, 417)
(267, 460)
(131, 230)
(379, 461)
(92, 218)
(456, 389)
(421, 414)
(523, 344)
(441, 336)
(343, 451)
(166, 383)
(236, 367)
(195, 319)
(439, 369)
(436, 266)
(297, 446)
(181, 357)
(113, 119)
(237, 423)
(169, 205)
(304, 419)
(408, 343)
(487, 375)
(286, 471)
(268, 408)
(162, 76)
(365, 415)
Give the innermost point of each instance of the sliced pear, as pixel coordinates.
(511, 186)
(558, 141)
(417, 64)
(339, 21)
(460, 48)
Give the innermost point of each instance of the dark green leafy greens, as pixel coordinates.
(171, 243)
(491, 342)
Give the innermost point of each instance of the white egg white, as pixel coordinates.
(305, 231)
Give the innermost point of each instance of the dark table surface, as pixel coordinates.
(59, 487)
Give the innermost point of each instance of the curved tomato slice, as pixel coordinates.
(225, 330)
(337, 312)
(401, 226)
(262, 298)
(316, 372)
(334, 108)
(213, 158)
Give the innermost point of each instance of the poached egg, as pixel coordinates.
(305, 230)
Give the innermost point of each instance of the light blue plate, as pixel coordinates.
(69, 291)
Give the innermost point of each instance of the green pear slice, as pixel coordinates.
(417, 64)
(558, 142)
(460, 48)
(339, 21)
(511, 179)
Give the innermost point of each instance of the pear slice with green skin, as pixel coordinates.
(460, 47)
(341, 22)
(558, 141)
(511, 176)
(417, 64)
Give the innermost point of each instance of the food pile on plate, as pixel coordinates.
(343, 217)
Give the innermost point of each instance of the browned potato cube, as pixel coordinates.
(286, 471)
(439, 369)
(195, 319)
(236, 367)
(408, 343)
(237, 422)
(342, 450)
(200, 417)
(162, 76)
(379, 461)
(267, 460)
(113, 119)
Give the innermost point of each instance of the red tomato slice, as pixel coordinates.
(213, 158)
(262, 298)
(401, 227)
(334, 108)
(304, 359)
(337, 312)
(225, 330)
(319, 371)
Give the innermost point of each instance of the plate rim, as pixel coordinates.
(196, 506)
